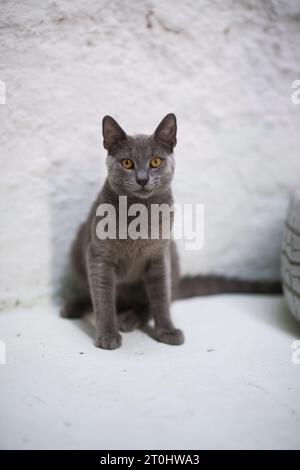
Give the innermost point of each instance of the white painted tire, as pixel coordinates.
(290, 256)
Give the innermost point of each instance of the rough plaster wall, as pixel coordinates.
(224, 67)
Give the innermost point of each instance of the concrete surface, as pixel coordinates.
(226, 69)
(234, 384)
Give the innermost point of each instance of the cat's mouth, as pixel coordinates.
(143, 192)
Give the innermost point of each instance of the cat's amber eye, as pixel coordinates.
(155, 162)
(126, 163)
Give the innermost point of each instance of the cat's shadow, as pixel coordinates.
(86, 325)
(277, 317)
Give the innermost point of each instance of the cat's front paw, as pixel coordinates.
(111, 340)
(174, 336)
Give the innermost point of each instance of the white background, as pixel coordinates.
(224, 67)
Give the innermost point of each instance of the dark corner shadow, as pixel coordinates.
(278, 317)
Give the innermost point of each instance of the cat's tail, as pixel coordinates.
(193, 286)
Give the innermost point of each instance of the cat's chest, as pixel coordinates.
(134, 257)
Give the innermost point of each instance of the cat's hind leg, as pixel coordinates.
(77, 299)
(132, 319)
(76, 308)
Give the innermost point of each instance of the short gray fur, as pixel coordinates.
(128, 281)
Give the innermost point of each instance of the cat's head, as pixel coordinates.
(140, 165)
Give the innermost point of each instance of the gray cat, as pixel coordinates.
(128, 281)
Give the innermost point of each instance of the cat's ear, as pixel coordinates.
(166, 131)
(113, 134)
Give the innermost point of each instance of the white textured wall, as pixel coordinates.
(224, 67)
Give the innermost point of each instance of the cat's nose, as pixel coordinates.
(142, 179)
